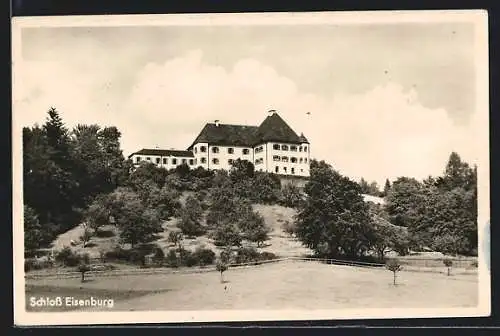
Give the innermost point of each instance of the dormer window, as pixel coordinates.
(276, 147)
(203, 149)
(246, 151)
(284, 147)
(230, 150)
(215, 150)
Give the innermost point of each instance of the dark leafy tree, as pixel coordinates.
(34, 233)
(190, 218)
(394, 266)
(448, 263)
(334, 220)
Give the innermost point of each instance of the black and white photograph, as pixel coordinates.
(250, 167)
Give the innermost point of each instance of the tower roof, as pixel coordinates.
(274, 128)
(303, 139)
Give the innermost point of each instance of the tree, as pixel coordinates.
(387, 188)
(403, 201)
(227, 234)
(175, 237)
(224, 261)
(83, 268)
(86, 236)
(291, 196)
(254, 228)
(448, 263)
(34, 234)
(266, 188)
(394, 266)
(241, 170)
(98, 213)
(334, 220)
(190, 221)
(221, 267)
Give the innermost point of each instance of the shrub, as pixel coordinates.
(118, 253)
(159, 256)
(267, 256)
(83, 268)
(246, 254)
(104, 233)
(171, 259)
(204, 256)
(67, 257)
(33, 264)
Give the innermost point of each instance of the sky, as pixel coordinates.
(385, 100)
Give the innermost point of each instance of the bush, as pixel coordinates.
(171, 259)
(268, 256)
(104, 233)
(159, 256)
(118, 253)
(67, 257)
(33, 264)
(204, 256)
(246, 254)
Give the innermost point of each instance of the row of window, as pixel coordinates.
(165, 160)
(259, 149)
(292, 159)
(215, 150)
(291, 148)
(285, 170)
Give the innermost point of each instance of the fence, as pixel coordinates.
(415, 265)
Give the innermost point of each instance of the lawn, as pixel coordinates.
(285, 285)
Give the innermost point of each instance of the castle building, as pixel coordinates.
(272, 147)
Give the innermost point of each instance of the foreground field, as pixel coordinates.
(286, 285)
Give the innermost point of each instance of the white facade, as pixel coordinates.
(167, 162)
(213, 149)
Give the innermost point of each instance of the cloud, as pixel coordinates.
(384, 132)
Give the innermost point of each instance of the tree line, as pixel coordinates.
(81, 176)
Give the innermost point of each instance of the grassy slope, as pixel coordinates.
(279, 243)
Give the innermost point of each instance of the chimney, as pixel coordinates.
(216, 123)
(271, 112)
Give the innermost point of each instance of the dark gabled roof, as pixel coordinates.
(164, 152)
(274, 128)
(227, 135)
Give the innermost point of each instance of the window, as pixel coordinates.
(203, 160)
(230, 150)
(302, 170)
(148, 158)
(195, 150)
(157, 160)
(293, 170)
(276, 169)
(260, 169)
(284, 158)
(293, 148)
(230, 161)
(305, 148)
(293, 160)
(246, 151)
(284, 169)
(203, 149)
(164, 161)
(300, 160)
(276, 147)
(305, 160)
(284, 147)
(215, 161)
(191, 162)
(138, 159)
(259, 149)
(195, 161)
(259, 161)
(174, 161)
(300, 149)
(215, 150)
(276, 158)
(184, 161)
